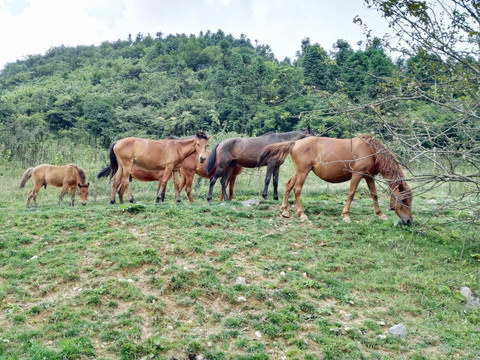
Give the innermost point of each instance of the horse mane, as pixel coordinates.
(202, 135)
(199, 134)
(81, 172)
(385, 161)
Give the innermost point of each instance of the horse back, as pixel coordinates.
(54, 175)
(335, 160)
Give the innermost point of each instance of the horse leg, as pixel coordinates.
(276, 172)
(187, 182)
(125, 170)
(129, 193)
(167, 174)
(373, 193)
(213, 179)
(224, 181)
(36, 189)
(120, 192)
(270, 168)
(116, 182)
(176, 184)
(72, 194)
(30, 196)
(231, 184)
(288, 188)
(351, 194)
(62, 194)
(297, 190)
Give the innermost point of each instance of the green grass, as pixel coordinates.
(159, 281)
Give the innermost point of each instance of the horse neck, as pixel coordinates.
(187, 146)
(80, 175)
(389, 168)
(293, 135)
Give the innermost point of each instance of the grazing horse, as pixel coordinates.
(67, 177)
(245, 153)
(190, 166)
(339, 160)
(167, 155)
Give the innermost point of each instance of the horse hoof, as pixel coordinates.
(383, 217)
(303, 218)
(285, 214)
(346, 219)
(112, 202)
(275, 198)
(132, 200)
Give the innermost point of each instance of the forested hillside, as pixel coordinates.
(176, 84)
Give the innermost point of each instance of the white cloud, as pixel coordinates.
(32, 27)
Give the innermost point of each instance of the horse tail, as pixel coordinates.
(81, 172)
(113, 167)
(277, 152)
(212, 159)
(26, 175)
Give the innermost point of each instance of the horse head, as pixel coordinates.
(401, 201)
(83, 188)
(201, 146)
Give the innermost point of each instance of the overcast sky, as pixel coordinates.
(30, 27)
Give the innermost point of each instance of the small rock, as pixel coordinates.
(199, 357)
(240, 281)
(241, 299)
(471, 301)
(381, 323)
(251, 202)
(431, 201)
(33, 258)
(170, 327)
(382, 337)
(398, 330)
(258, 334)
(282, 273)
(209, 344)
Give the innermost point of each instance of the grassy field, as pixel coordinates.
(162, 281)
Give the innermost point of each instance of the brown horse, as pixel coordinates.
(339, 160)
(245, 153)
(190, 166)
(167, 155)
(67, 177)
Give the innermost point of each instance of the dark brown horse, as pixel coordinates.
(245, 152)
(167, 155)
(67, 177)
(190, 166)
(339, 160)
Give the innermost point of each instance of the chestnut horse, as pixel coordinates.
(167, 155)
(245, 153)
(67, 177)
(190, 166)
(339, 160)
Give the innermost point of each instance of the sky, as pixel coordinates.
(31, 27)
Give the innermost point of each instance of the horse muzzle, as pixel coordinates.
(202, 159)
(407, 221)
(84, 203)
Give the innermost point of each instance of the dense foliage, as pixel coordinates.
(158, 86)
